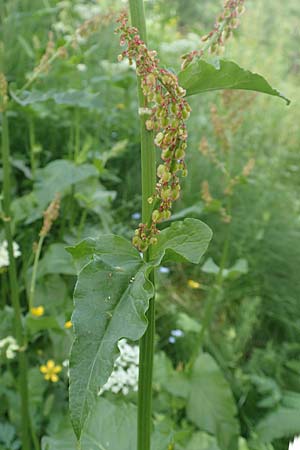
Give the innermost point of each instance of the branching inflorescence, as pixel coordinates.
(225, 23)
(167, 111)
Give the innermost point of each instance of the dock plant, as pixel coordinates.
(114, 296)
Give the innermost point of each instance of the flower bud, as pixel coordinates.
(163, 173)
(149, 125)
(179, 153)
(136, 241)
(166, 214)
(181, 92)
(184, 172)
(175, 193)
(166, 154)
(158, 98)
(150, 79)
(164, 122)
(143, 246)
(173, 108)
(185, 114)
(205, 38)
(169, 137)
(165, 194)
(156, 215)
(158, 138)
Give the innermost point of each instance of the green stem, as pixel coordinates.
(145, 380)
(32, 145)
(148, 166)
(34, 272)
(77, 134)
(4, 290)
(81, 223)
(14, 289)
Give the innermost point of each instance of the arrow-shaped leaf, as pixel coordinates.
(202, 76)
(182, 241)
(111, 298)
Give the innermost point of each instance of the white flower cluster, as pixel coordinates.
(124, 377)
(4, 257)
(295, 444)
(10, 346)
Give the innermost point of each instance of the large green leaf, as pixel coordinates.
(111, 426)
(166, 377)
(182, 241)
(56, 260)
(35, 324)
(202, 76)
(202, 441)
(211, 405)
(57, 177)
(111, 297)
(284, 421)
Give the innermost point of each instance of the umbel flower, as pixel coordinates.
(167, 112)
(50, 371)
(124, 377)
(295, 444)
(9, 347)
(4, 257)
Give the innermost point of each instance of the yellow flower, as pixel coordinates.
(37, 311)
(120, 106)
(193, 284)
(68, 324)
(50, 371)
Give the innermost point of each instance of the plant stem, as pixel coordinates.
(145, 380)
(77, 134)
(148, 166)
(14, 289)
(81, 223)
(34, 272)
(32, 145)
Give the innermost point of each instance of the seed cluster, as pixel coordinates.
(215, 40)
(50, 215)
(168, 111)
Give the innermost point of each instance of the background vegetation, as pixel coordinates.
(76, 133)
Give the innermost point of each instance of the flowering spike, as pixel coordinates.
(168, 111)
(214, 41)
